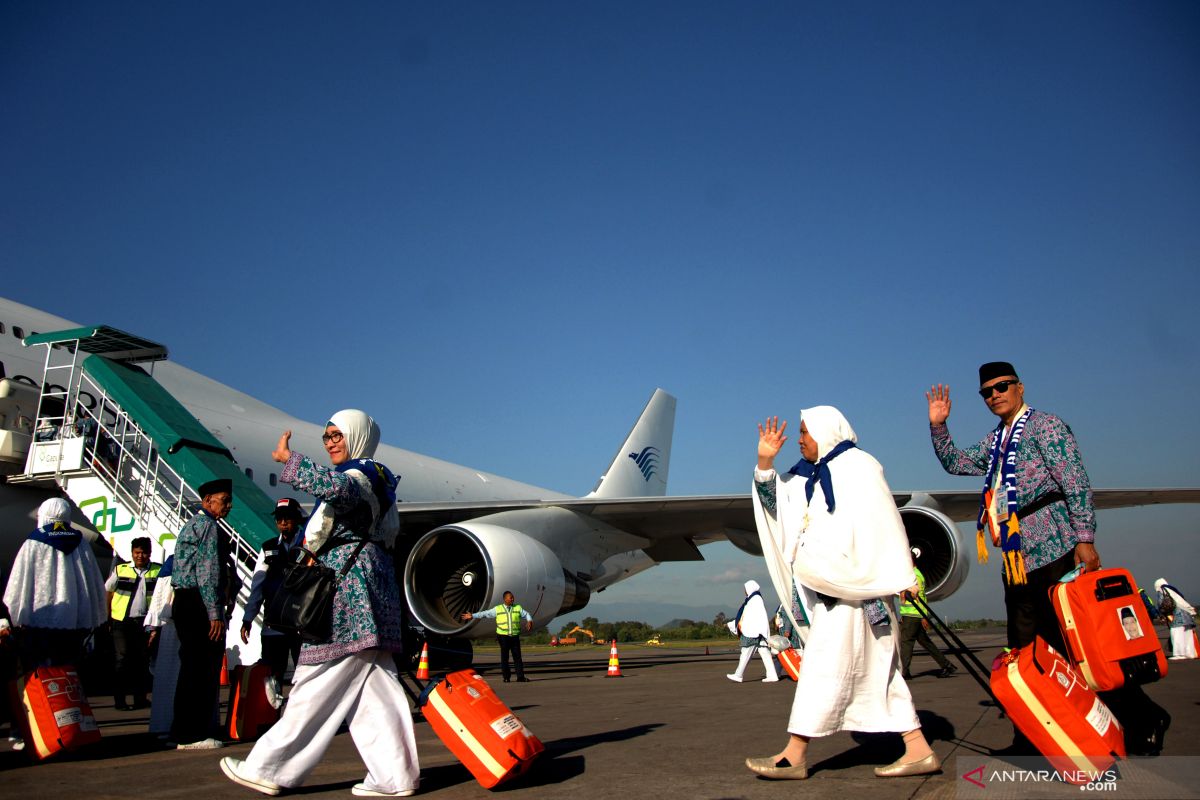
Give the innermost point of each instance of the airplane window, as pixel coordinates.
(249, 473)
(273, 479)
(1, 327)
(18, 332)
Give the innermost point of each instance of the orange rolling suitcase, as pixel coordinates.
(789, 659)
(1107, 630)
(479, 728)
(251, 710)
(55, 712)
(1056, 710)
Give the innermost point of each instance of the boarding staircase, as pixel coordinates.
(128, 454)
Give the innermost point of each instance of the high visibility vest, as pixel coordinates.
(907, 609)
(508, 620)
(127, 581)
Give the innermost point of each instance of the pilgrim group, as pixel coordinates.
(831, 535)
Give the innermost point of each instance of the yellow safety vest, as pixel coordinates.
(907, 609)
(127, 581)
(508, 620)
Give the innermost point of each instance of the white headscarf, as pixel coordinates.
(754, 616)
(1164, 588)
(858, 552)
(360, 432)
(54, 510)
(361, 435)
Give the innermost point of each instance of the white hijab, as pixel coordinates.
(754, 615)
(54, 510)
(1163, 588)
(361, 435)
(859, 551)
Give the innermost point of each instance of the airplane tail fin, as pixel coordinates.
(640, 467)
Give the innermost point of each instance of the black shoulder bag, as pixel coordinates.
(303, 603)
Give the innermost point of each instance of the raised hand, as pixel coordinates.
(770, 441)
(939, 404)
(282, 452)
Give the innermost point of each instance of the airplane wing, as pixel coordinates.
(677, 525)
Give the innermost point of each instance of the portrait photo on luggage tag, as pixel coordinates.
(1129, 622)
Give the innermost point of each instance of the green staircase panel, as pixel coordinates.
(252, 515)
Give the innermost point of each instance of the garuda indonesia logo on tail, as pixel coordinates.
(647, 461)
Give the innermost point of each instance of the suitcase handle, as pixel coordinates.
(1112, 586)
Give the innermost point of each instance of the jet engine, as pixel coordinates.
(469, 566)
(944, 560)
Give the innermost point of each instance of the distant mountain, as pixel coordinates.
(655, 614)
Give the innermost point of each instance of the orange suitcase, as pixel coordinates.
(56, 715)
(789, 659)
(1056, 710)
(1107, 630)
(479, 728)
(251, 711)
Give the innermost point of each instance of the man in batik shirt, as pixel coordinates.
(1037, 501)
(201, 578)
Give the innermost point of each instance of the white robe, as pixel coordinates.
(166, 663)
(51, 589)
(850, 678)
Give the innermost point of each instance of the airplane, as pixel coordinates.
(468, 535)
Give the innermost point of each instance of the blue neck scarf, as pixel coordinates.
(58, 535)
(820, 472)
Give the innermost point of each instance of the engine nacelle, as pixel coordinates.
(944, 560)
(469, 567)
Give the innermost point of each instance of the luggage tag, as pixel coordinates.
(1072, 575)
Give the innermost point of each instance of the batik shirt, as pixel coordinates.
(366, 608)
(875, 610)
(1048, 461)
(200, 561)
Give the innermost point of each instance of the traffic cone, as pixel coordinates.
(225, 669)
(614, 662)
(423, 663)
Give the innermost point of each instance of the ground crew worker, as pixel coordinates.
(277, 646)
(913, 628)
(508, 618)
(130, 587)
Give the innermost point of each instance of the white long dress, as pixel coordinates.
(166, 663)
(850, 677)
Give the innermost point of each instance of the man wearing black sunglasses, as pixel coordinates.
(1036, 505)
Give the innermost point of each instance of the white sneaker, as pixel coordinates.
(771, 680)
(231, 767)
(203, 744)
(735, 678)
(362, 790)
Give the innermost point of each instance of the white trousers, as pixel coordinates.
(748, 653)
(362, 688)
(1183, 644)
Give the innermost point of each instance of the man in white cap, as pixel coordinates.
(913, 627)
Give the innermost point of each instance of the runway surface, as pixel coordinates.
(673, 726)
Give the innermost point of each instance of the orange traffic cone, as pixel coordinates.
(224, 669)
(423, 663)
(614, 663)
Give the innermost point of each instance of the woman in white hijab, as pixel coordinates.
(55, 592)
(752, 627)
(352, 676)
(830, 527)
(1181, 619)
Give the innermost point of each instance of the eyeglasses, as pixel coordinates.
(999, 386)
(333, 438)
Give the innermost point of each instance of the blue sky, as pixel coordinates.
(500, 226)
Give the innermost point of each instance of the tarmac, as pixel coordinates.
(672, 726)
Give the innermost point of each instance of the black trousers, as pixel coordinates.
(1030, 612)
(511, 644)
(199, 685)
(276, 649)
(911, 632)
(130, 646)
